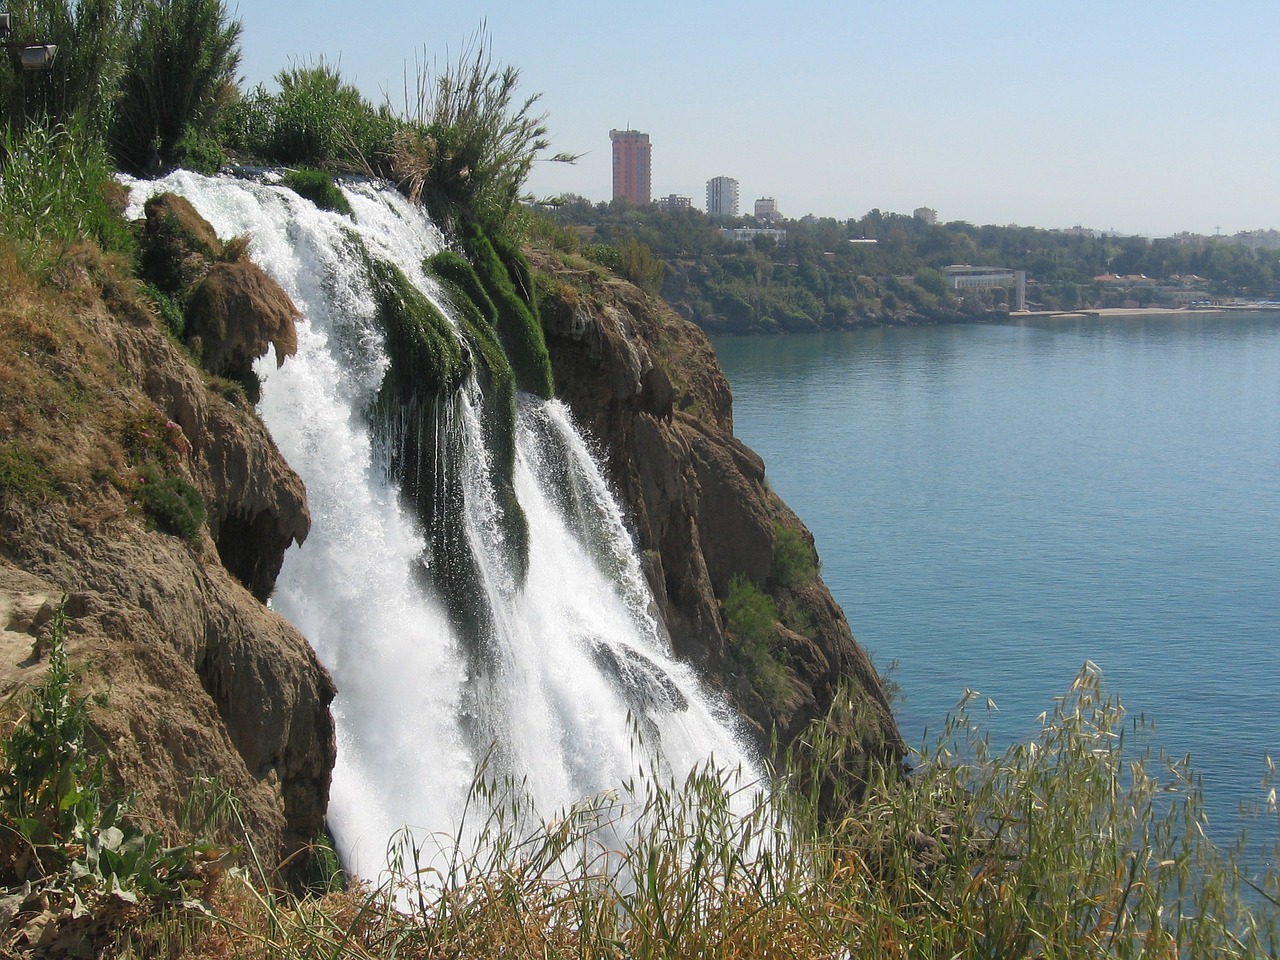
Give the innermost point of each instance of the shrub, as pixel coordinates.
(81, 863)
(180, 69)
(751, 618)
(640, 266)
(169, 501)
(316, 120)
(469, 143)
(794, 562)
(604, 254)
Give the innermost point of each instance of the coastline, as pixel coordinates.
(1145, 311)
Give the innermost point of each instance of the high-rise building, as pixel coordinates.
(722, 197)
(631, 172)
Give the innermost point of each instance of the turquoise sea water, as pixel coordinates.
(995, 504)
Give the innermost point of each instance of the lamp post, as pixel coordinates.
(31, 56)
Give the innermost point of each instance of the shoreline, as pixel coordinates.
(1143, 311)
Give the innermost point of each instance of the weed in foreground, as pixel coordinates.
(1083, 842)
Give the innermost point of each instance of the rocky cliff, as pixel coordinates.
(646, 384)
(149, 495)
(139, 488)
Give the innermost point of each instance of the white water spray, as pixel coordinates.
(580, 660)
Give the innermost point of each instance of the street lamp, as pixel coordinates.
(31, 56)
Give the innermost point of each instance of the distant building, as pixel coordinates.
(927, 214)
(747, 234)
(673, 201)
(961, 276)
(722, 197)
(631, 166)
(767, 209)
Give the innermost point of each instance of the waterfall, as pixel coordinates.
(575, 690)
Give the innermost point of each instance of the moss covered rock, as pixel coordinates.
(177, 245)
(518, 325)
(475, 314)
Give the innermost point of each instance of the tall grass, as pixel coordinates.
(57, 193)
(1083, 842)
(180, 74)
(470, 140)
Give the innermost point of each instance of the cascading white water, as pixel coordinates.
(579, 661)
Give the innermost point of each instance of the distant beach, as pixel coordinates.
(1146, 311)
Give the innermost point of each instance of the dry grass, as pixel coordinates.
(74, 429)
(1073, 845)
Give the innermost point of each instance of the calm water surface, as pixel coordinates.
(994, 505)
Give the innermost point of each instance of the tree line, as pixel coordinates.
(824, 275)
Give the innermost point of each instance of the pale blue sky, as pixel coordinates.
(1145, 117)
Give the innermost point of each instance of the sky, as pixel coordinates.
(1135, 116)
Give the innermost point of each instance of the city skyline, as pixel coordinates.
(1050, 115)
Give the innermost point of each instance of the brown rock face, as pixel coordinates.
(236, 313)
(647, 385)
(190, 675)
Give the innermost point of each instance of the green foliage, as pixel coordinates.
(179, 74)
(518, 327)
(169, 501)
(823, 276)
(318, 187)
(751, 618)
(604, 254)
(794, 563)
(60, 832)
(316, 120)
(640, 266)
(82, 86)
(470, 143)
(55, 194)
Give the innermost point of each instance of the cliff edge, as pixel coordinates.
(147, 496)
(732, 567)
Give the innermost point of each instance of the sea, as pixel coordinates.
(996, 504)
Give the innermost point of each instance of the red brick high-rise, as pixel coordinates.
(631, 177)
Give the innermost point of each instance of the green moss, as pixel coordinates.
(318, 187)
(453, 269)
(426, 356)
(497, 381)
(22, 477)
(518, 326)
